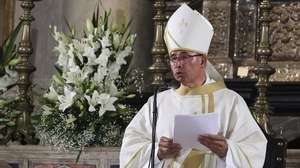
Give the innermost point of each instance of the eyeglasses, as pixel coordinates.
(181, 57)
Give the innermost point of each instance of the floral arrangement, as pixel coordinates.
(85, 101)
(8, 78)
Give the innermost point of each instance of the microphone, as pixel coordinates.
(154, 121)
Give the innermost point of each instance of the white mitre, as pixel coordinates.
(188, 30)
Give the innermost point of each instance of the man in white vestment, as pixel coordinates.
(239, 144)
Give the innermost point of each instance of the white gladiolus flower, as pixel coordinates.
(79, 49)
(62, 57)
(90, 54)
(103, 57)
(66, 100)
(95, 45)
(90, 38)
(100, 74)
(105, 42)
(113, 90)
(114, 71)
(71, 52)
(73, 67)
(86, 71)
(120, 58)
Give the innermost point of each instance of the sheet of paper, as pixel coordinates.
(188, 127)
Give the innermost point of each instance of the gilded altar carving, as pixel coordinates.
(285, 32)
(245, 31)
(218, 13)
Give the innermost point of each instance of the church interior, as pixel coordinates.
(255, 47)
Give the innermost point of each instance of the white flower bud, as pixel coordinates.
(89, 26)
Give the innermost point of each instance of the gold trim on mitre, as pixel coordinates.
(179, 47)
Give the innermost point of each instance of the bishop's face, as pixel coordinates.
(188, 67)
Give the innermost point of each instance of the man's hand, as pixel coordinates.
(167, 149)
(216, 143)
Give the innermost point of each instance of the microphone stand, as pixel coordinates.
(154, 121)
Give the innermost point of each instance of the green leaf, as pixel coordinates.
(70, 27)
(58, 69)
(77, 61)
(81, 113)
(15, 60)
(11, 123)
(106, 16)
(130, 96)
(121, 106)
(95, 19)
(58, 79)
(3, 120)
(3, 103)
(71, 120)
(15, 112)
(9, 45)
(113, 114)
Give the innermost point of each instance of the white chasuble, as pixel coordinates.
(246, 142)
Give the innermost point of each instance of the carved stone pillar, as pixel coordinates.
(218, 12)
(159, 66)
(25, 132)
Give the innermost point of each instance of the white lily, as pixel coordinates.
(11, 73)
(66, 100)
(5, 81)
(93, 101)
(107, 103)
(72, 77)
